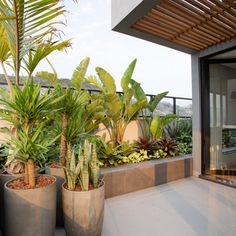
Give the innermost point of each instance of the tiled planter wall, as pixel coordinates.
(133, 177)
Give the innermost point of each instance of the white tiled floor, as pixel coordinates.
(188, 207)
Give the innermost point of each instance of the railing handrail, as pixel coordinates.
(120, 93)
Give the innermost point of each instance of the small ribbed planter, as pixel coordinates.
(30, 212)
(3, 179)
(59, 174)
(83, 211)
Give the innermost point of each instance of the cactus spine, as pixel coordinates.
(84, 169)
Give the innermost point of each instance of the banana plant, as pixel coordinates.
(158, 124)
(151, 124)
(119, 110)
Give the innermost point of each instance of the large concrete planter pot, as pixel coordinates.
(83, 211)
(59, 174)
(4, 177)
(30, 212)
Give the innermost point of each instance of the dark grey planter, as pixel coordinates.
(30, 212)
(60, 179)
(83, 211)
(134, 177)
(3, 179)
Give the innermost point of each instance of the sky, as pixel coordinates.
(158, 68)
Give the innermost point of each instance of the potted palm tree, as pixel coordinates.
(83, 192)
(29, 110)
(69, 112)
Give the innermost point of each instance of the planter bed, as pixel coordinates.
(133, 177)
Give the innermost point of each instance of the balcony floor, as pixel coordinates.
(190, 207)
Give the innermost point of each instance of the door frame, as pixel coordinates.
(205, 114)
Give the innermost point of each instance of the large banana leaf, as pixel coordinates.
(139, 92)
(125, 80)
(107, 81)
(153, 103)
(158, 123)
(78, 76)
(132, 110)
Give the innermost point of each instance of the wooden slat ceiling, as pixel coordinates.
(195, 24)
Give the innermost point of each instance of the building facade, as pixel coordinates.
(206, 29)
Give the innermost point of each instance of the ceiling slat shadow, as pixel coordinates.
(195, 24)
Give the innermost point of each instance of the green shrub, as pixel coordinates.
(135, 157)
(4, 151)
(167, 147)
(181, 131)
(111, 154)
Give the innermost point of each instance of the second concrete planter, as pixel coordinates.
(4, 177)
(83, 211)
(30, 212)
(59, 174)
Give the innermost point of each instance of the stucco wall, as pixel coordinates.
(3, 136)
(196, 118)
(120, 9)
(132, 133)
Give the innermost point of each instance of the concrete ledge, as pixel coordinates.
(133, 177)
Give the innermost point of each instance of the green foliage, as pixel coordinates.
(111, 154)
(158, 123)
(30, 111)
(181, 131)
(33, 144)
(78, 76)
(147, 144)
(152, 126)
(26, 23)
(28, 106)
(72, 169)
(41, 51)
(166, 148)
(152, 105)
(119, 110)
(4, 48)
(135, 157)
(4, 152)
(83, 169)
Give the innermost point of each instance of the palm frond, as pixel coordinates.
(27, 22)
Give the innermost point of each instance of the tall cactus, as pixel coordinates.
(84, 169)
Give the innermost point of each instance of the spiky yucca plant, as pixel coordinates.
(83, 169)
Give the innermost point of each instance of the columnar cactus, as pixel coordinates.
(84, 169)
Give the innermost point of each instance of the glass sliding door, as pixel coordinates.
(219, 120)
